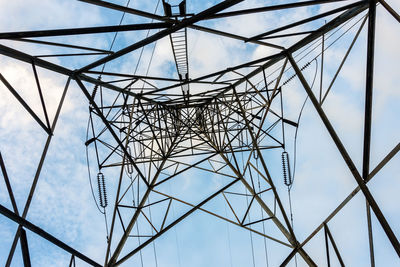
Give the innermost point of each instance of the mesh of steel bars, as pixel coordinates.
(230, 127)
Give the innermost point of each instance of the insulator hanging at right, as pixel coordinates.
(101, 186)
(287, 179)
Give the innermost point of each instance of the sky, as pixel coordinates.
(63, 204)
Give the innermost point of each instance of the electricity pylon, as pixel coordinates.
(226, 123)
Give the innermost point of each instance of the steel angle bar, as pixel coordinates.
(327, 246)
(88, 30)
(71, 55)
(368, 117)
(370, 234)
(131, 76)
(41, 95)
(286, 35)
(329, 234)
(8, 185)
(25, 249)
(385, 160)
(235, 36)
(72, 261)
(369, 89)
(62, 45)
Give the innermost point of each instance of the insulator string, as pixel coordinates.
(129, 166)
(88, 168)
(101, 185)
(96, 87)
(287, 179)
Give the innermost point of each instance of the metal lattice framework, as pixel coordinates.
(151, 130)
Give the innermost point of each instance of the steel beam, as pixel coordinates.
(390, 10)
(368, 115)
(8, 185)
(335, 248)
(25, 249)
(87, 30)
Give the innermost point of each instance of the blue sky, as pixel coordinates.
(63, 204)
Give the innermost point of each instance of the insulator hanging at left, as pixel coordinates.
(129, 166)
(94, 91)
(101, 185)
(95, 88)
(287, 179)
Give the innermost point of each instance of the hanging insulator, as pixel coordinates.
(294, 75)
(101, 185)
(95, 88)
(255, 154)
(94, 91)
(129, 166)
(287, 179)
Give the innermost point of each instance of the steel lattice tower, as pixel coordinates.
(145, 132)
